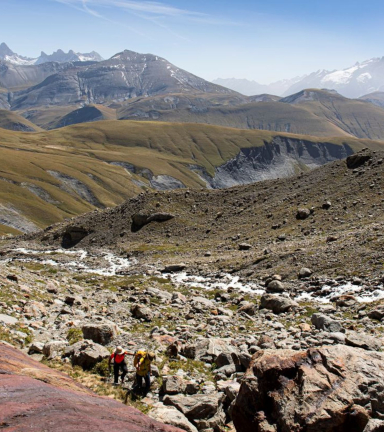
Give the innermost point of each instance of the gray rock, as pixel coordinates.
(173, 385)
(304, 273)
(171, 416)
(303, 213)
(36, 348)
(276, 303)
(324, 322)
(86, 354)
(7, 319)
(203, 410)
(54, 349)
(364, 341)
(142, 312)
(245, 246)
(100, 333)
(275, 286)
(174, 268)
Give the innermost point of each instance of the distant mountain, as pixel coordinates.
(126, 75)
(59, 56)
(353, 82)
(62, 57)
(250, 88)
(376, 98)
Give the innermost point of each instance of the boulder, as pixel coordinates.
(173, 385)
(35, 309)
(8, 320)
(216, 350)
(174, 268)
(142, 312)
(54, 349)
(230, 388)
(202, 303)
(277, 304)
(100, 333)
(324, 322)
(303, 213)
(171, 416)
(245, 246)
(36, 348)
(139, 220)
(362, 340)
(205, 411)
(275, 286)
(86, 354)
(377, 314)
(248, 307)
(304, 273)
(332, 388)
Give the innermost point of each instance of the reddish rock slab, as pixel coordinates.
(36, 398)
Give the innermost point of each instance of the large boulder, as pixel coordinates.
(86, 354)
(205, 411)
(171, 416)
(324, 322)
(54, 349)
(213, 350)
(277, 304)
(100, 333)
(362, 340)
(329, 389)
(142, 312)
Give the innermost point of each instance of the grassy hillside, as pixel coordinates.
(312, 112)
(48, 176)
(13, 121)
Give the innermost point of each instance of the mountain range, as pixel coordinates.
(353, 82)
(58, 56)
(146, 87)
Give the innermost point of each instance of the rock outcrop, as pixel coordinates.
(328, 389)
(36, 398)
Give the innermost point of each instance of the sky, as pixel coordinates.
(258, 40)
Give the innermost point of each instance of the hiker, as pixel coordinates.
(142, 362)
(118, 358)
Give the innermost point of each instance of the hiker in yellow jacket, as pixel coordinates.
(142, 362)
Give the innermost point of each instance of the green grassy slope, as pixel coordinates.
(30, 162)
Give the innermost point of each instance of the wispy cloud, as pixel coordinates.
(146, 9)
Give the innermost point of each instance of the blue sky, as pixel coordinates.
(260, 40)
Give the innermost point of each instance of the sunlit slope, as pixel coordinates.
(310, 112)
(15, 122)
(48, 176)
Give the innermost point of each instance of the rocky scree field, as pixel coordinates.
(264, 303)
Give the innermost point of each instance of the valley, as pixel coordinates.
(237, 237)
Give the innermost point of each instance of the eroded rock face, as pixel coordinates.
(36, 398)
(329, 389)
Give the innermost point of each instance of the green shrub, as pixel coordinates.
(74, 335)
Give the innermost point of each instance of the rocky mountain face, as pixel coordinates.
(59, 56)
(124, 76)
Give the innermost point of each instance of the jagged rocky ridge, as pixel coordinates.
(283, 157)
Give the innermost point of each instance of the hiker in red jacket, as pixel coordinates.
(118, 358)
